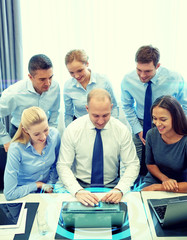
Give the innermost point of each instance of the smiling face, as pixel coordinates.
(146, 71)
(79, 71)
(38, 132)
(163, 120)
(99, 111)
(41, 80)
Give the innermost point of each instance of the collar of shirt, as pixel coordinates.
(155, 78)
(92, 126)
(30, 87)
(92, 80)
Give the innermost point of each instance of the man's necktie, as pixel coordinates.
(97, 161)
(147, 121)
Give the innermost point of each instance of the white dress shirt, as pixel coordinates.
(75, 157)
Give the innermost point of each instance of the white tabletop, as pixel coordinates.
(158, 194)
(49, 210)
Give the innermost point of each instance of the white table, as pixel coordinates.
(49, 210)
(158, 194)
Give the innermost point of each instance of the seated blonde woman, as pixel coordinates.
(166, 147)
(32, 156)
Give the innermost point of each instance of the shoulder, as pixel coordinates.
(69, 84)
(16, 149)
(100, 79)
(79, 122)
(130, 75)
(184, 139)
(53, 132)
(16, 87)
(131, 79)
(99, 76)
(169, 74)
(118, 126)
(77, 126)
(152, 134)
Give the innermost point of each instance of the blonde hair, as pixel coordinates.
(76, 54)
(30, 117)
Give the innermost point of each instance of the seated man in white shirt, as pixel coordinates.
(74, 165)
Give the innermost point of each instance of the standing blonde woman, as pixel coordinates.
(32, 156)
(82, 82)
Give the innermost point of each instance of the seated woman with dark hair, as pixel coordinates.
(166, 147)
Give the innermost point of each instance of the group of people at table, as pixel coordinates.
(96, 149)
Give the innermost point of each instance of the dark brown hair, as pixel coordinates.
(179, 119)
(147, 54)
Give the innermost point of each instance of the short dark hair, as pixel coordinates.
(39, 61)
(179, 119)
(147, 54)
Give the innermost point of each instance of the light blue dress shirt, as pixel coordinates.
(25, 166)
(75, 96)
(22, 95)
(164, 82)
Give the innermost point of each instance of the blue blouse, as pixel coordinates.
(25, 166)
(75, 96)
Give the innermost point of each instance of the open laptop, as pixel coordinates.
(170, 211)
(105, 215)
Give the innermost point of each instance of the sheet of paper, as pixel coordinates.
(93, 233)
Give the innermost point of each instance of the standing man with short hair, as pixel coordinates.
(39, 90)
(134, 86)
(80, 166)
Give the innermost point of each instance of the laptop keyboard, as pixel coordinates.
(161, 210)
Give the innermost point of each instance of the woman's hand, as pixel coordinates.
(153, 187)
(46, 187)
(170, 185)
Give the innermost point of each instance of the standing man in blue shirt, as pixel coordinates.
(133, 89)
(39, 90)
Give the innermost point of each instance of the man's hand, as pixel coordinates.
(140, 134)
(114, 196)
(87, 198)
(6, 146)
